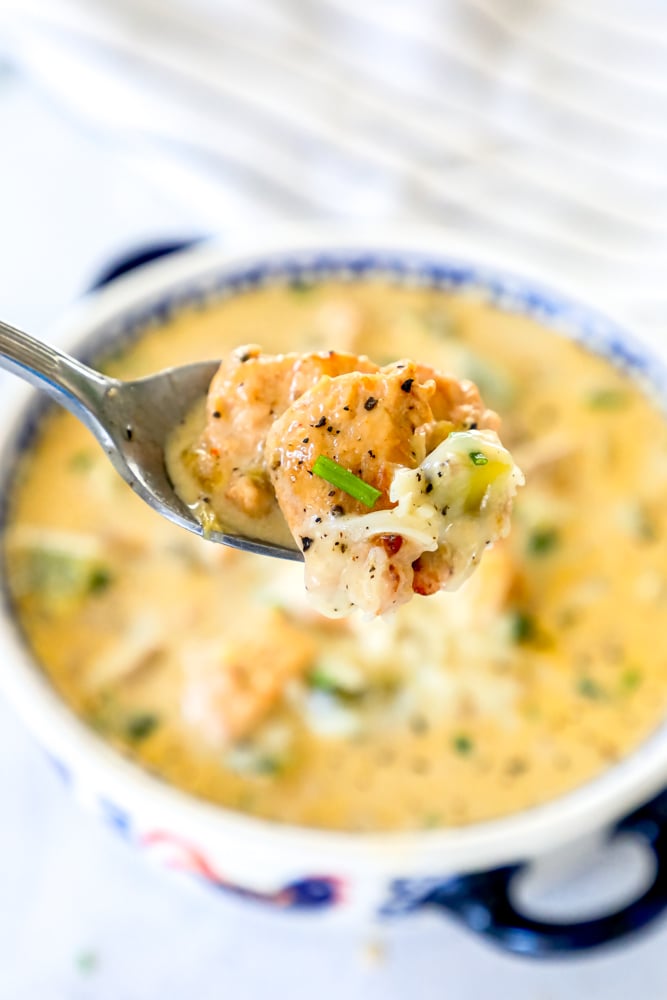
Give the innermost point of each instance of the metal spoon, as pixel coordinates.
(131, 420)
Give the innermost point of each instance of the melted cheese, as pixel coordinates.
(457, 501)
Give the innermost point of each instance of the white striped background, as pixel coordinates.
(536, 128)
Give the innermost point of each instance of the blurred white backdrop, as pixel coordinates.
(533, 129)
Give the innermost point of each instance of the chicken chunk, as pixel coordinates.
(421, 442)
(426, 443)
(249, 391)
(232, 686)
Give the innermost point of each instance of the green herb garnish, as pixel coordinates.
(269, 765)
(589, 688)
(322, 681)
(607, 399)
(543, 540)
(478, 457)
(335, 683)
(523, 627)
(141, 725)
(462, 744)
(59, 577)
(643, 524)
(345, 480)
(82, 461)
(100, 578)
(630, 679)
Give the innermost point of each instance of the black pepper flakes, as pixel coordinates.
(370, 403)
(337, 510)
(371, 453)
(217, 414)
(429, 487)
(347, 409)
(128, 433)
(305, 440)
(306, 542)
(407, 385)
(321, 422)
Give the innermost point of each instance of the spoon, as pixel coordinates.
(131, 420)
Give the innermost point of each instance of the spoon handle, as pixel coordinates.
(72, 384)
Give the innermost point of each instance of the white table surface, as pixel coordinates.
(81, 914)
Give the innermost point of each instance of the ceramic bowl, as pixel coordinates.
(466, 872)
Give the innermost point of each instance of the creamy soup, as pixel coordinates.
(544, 669)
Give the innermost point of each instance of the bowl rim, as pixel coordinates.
(596, 803)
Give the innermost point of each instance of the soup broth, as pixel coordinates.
(544, 669)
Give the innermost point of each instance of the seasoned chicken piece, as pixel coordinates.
(444, 485)
(248, 392)
(231, 686)
(421, 445)
(456, 400)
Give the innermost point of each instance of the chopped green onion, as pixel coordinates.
(344, 685)
(321, 681)
(269, 765)
(543, 540)
(140, 726)
(589, 688)
(607, 399)
(631, 679)
(82, 461)
(462, 744)
(345, 480)
(58, 576)
(478, 458)
(523, 626)
(100, 579)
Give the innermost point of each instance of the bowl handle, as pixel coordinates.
(482, 901)
(143, 254)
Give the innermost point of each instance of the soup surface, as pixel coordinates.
(545, 668)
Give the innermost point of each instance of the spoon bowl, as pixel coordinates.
(131, 420)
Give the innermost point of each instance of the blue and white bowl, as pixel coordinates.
(466, 872)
